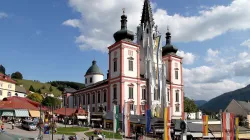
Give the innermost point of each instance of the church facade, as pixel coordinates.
(142, 73)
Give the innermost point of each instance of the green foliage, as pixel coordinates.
(50, 89)
(64, 84)
(39, 85)
(189, 105)
(17, 75)
(51, 101)
(2, 69)
(35, 97)
(222, 101)
(31, 88)
(43, 87)
(39, 91)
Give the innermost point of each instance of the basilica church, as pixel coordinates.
(143, 73)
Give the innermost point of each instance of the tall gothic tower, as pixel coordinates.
(147, 34)
(168, 89)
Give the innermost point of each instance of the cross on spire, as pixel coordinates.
(123, 11)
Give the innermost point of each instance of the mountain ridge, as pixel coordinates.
(222, 101)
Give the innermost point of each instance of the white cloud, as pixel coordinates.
(243, 55)
(188, 58)
(104, 16)
(206, 82)
(3, 15)
(100, 19)
(246, 43)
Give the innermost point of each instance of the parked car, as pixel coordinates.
(28, 124)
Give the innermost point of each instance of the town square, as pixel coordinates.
(142, 70)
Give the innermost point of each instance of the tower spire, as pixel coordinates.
(123, 33)
(168, 37)
(147, 15)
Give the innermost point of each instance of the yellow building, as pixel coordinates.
(7, 86)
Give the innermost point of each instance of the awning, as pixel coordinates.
(21, 113)
(96, 119)
(34, 113)
(81, 117)
(7, 113)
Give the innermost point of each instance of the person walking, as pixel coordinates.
(2, 127)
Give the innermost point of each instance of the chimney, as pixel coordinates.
(108, 75)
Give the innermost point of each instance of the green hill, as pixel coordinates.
(221, 102)
(66, 84)
(44, 87)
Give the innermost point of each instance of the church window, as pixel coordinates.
(90, 80)
(93, 99)
(177, 96)
(130, 65)
(177, 108)
(83, 99)
(88, 99)
(131, 95)
(131, 107)
(115, 65)
(155, 94)
(104, 96)
(176, 74)
(86, 80)
(99, 97)
(143, 107)
(168, 96)
(143, 94)
(114, 92)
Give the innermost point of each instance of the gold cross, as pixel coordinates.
(123, 10)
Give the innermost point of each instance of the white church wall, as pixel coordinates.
(129, 52)
(175, 112)
(176, 65)
(95, 78)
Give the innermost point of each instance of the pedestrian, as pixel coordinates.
(92, 137)
(2, 127)
(63, 137)
(76, 137)
(12, 125)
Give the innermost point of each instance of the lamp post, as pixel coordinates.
(65, 116)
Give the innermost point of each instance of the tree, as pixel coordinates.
(31, 88)
(2, 69)
(39, 91)
(17, 75)
(51, 101)
(50, 89)
(189, 105)
(35, 97)
(43, 87)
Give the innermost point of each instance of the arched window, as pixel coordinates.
(131, 91)
(104, 96)
(115, 64)
(115, 91)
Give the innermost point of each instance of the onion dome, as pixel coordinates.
(2, 69)
(93, 69)
(124, 33)
(168, 48)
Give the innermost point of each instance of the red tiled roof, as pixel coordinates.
(81, 111)
(16, 103)
(6, 78)
(36, 104)
(69, 111)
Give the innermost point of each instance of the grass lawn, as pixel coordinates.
(107, 134)
(70, 130)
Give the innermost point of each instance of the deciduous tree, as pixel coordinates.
(35, 97)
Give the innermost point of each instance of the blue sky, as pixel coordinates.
(57, 40)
